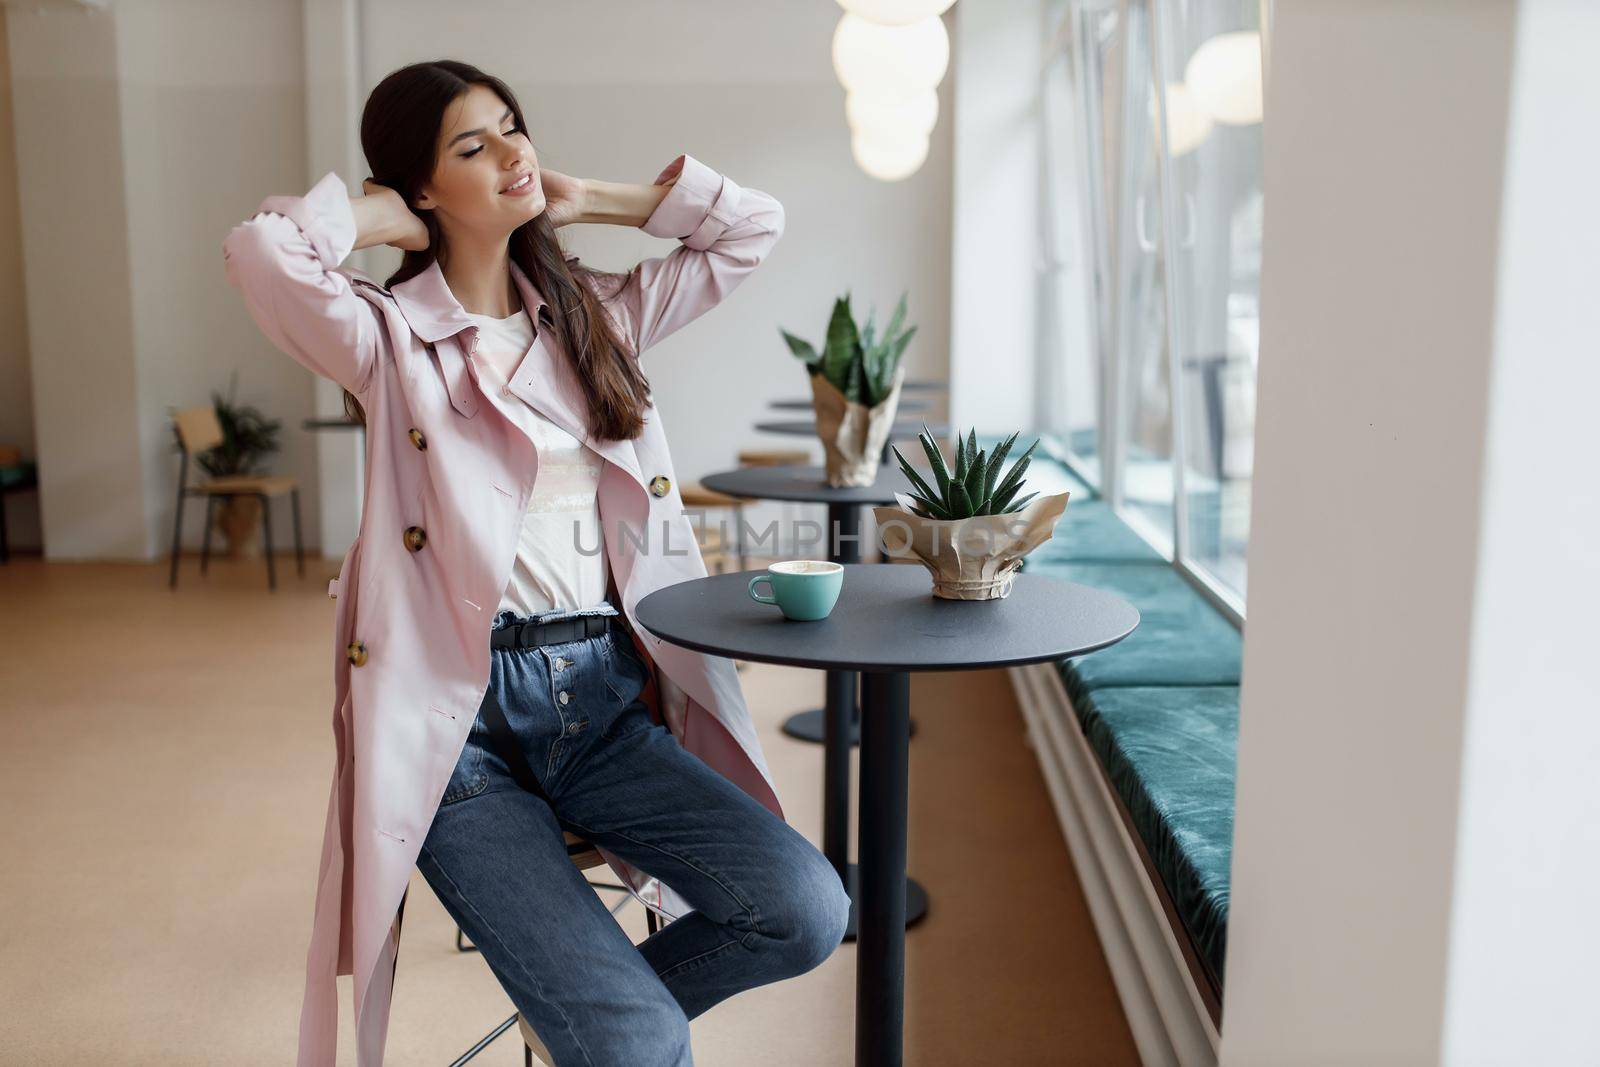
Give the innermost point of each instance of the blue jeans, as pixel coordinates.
(768, 905)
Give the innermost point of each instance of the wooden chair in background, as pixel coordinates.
(197, 430)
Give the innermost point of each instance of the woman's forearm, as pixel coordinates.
(619, 203)
(375, 224)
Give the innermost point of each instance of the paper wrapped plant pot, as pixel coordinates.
(852, 434)
(975, 558)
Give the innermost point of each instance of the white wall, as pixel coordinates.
(211, 98)
(1415, 846)
(75, 240)
(998, 219)
(1523, 938)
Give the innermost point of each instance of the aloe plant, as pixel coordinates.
(975, 486)
(858, 363)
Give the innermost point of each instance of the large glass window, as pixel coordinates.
(1085, 65)
(1210, 60)
(1144, 488)
(1162, 106)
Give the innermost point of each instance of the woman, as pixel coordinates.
(519, 501)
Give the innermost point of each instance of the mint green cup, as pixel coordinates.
(805, 590)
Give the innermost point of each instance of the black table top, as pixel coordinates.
(806, 404)
(899, 431)
(332, 424)
(887, 619)
(924, 385)
(808, 484)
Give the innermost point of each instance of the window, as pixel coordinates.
(1159, 102)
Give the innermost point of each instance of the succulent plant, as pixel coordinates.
(975, 486)
(857, 363)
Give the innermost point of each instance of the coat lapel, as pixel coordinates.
(542, 380)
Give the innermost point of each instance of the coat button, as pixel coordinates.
(356, 653)
(415, 537)
(418, 440)
(659, 485)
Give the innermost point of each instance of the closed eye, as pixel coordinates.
(475, 151)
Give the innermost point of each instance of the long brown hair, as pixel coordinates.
(400, 136)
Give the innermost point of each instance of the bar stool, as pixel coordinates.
(584, 856)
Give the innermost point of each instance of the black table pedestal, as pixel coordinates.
(836, 813)
(838, 728)
(882, 905)
(811, 725)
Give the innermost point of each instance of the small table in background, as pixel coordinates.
(887, 624)
(901, 430)
(332, 424)
(908, 404)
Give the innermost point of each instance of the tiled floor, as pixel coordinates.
(165, 759)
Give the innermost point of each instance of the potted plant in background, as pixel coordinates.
(248, 438)
(970, 528)
(855, 389)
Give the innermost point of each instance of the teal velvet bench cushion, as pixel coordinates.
(1181, 639)
(1089, 532)
(1169, 753)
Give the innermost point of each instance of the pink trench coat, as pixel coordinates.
(443, 455)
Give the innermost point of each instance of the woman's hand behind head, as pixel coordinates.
(401, 226)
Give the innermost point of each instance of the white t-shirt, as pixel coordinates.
(563, 516)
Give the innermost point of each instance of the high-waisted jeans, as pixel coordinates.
(768, 905)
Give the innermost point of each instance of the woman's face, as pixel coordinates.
(481, 155)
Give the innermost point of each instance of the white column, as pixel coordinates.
(997, 243)
(1416, 851)
(76, 247)
(1521, 985)
(335, 94)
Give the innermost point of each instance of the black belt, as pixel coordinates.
(559, 631)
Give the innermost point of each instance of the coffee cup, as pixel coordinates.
(803, 589)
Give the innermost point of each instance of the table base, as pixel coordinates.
(809, 726)
(916, 900)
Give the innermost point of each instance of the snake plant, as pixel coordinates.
(858, 363)
(974, 487)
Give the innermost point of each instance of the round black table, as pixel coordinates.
(906, 404)
(900, 430)
(886, 624)
(837, 724)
